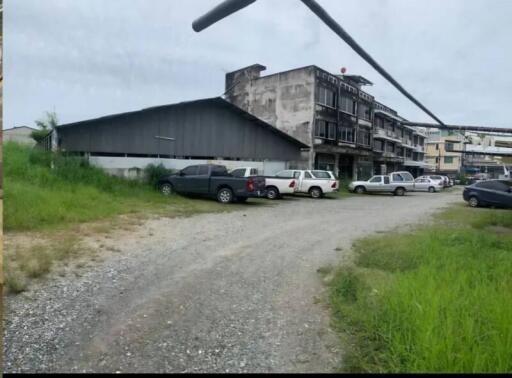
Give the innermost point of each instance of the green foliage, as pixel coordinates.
(435, 300)
(37, 196)
(462, 178)
(154, 172)
(48, 122)
(39, 135)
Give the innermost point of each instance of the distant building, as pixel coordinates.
(350, 133)
(204, 131)
(440, 155)
(20, 134)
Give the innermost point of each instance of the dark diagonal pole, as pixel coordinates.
(229, 7)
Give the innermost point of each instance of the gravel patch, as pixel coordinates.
(230, 292)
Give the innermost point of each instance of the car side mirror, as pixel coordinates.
(181, 174)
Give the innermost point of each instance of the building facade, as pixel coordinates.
(349, 132)
(177, 135)
(441, 151)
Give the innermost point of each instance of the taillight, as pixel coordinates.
(292, 184)
(334, 185)
(250, 185)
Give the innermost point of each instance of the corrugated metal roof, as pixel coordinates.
(219, 101)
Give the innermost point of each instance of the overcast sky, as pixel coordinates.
(88, 58)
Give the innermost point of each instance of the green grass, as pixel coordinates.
(438, 299)
(40, 198)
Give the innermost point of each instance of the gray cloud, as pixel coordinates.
(87, 58)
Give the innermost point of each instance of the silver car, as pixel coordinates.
(426, 184)
(380, 183)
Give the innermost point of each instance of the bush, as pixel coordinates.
(154, 172)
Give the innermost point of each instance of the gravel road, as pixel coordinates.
(230, 292)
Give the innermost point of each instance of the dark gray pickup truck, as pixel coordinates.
(213, 181)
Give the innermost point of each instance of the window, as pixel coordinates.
(448, 146)
(363, 137)
(321, 174)
(254, 172)
(448, 159)
(398, 177)
(307, 175)
(320, 127)
(190, 171)
(238, 172)
(324, 129)
(331, 129)
(347, 104)
(218, 170)
(346, 134)
(437, 146)
(326, 97)
(386, 179)
(286, 174)
(364, 111)
(378, 145)
(500, 186)
(203, 170)
(376, 179)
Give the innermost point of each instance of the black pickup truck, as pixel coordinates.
(213, 181)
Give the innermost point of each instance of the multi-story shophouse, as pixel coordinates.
(441, 147)
(396, 146)
(330, 113)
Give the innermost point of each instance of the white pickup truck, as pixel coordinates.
(397, 183)
(314, 182)
(275, 186)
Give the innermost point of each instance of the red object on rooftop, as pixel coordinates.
(343, 70)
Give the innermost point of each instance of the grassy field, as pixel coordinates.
(438, 299)
(40, 198)
(51, 204)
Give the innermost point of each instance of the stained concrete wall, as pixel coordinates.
(284, 100)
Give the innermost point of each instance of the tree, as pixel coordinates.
(46, 124)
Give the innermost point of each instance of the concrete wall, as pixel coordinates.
(133, 168)
(19, 135)
(285, 100)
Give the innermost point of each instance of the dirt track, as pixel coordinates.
(231, 292)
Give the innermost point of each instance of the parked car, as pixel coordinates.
(379, 184)
(489, 193)
(276, 187)
(427, 185)
(316, 183)
(436, 178)
(213, 181)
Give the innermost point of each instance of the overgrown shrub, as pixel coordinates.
(154, 172)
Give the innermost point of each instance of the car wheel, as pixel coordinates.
(431, 189)
(473, 201)
(225, 195)
(272, 193)
(360, 190)
(315, 192)
(399, 191)
(166, 189)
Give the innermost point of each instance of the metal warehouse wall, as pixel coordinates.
(201, 129)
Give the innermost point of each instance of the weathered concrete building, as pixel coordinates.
(332, 114)
(177, 135)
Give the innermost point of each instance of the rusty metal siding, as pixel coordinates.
(202, 129)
